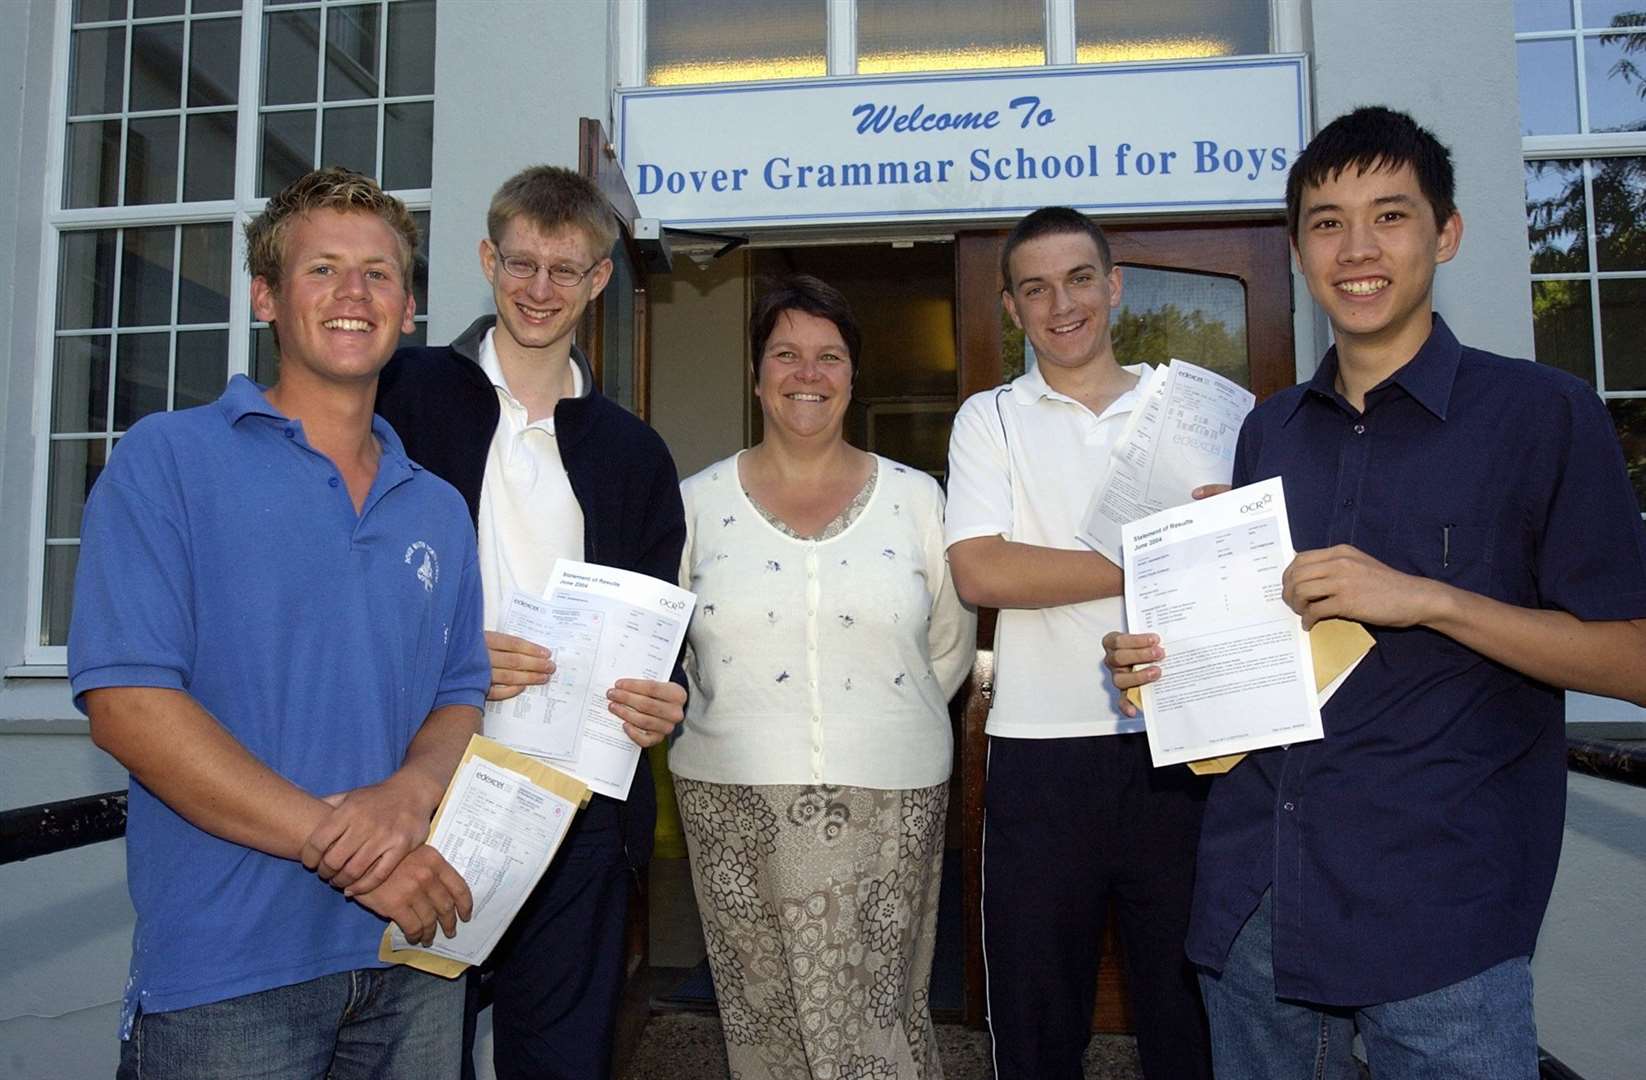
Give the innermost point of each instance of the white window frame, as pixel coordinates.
(1583, 147)
(237, 211)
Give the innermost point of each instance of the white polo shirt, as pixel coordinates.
(528, 514)
(1024, 463)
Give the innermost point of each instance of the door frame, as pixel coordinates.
(597, 160)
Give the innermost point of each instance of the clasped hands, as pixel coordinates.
(372, 845)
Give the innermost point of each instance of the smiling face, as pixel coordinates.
(342, 301)
(1061, 298)
(804, 378)
(1367, 244)
(534, 312)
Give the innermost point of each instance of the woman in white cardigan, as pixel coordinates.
(813, 765)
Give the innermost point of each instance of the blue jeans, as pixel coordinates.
(376, 1022)
(1479, 1027)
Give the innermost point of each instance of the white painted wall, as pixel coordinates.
(511, 79)
(1452, 66)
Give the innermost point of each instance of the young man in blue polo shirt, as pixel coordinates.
(551, 468)
(277, 631)
(1474, 513)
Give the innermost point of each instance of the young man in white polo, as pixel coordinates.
(1075, 814)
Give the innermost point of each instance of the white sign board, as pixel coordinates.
(1187, 135)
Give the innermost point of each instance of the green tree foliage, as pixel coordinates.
(1155, 336)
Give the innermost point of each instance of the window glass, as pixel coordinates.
(1107, 31)
(177, 140)
(1200, 318)
(1548, 86)
(708, 41)
(927, 35)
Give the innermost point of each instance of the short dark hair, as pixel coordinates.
(1051, 221)
(801, 292)
(1370, 138)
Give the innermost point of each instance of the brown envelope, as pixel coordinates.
(1335, 643)
(567, 787)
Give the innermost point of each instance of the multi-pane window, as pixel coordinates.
(1583, 118)
(347, 84)
(156, 183)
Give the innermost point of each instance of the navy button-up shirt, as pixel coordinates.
(1416, 844)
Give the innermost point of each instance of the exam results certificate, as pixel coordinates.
(1238, 673)
(601, 624)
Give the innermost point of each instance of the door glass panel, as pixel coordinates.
(617, 340)
(1200, 318)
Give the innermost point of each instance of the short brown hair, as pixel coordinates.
(331, 188)
(801, 292)
(550, 197)
(1051, 221)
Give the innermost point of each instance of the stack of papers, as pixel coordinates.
(601, 624)
(1181, 435)
(1240, 672)
(499, 824)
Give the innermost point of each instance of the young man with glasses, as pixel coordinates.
(510, 415)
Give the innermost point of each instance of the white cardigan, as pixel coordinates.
(820, 662)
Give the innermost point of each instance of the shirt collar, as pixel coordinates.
(1031, 387)
(1428, 377)
(243, 398)
(493, 367)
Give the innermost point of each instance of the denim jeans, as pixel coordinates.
(376, 1022)
(1479, 1027)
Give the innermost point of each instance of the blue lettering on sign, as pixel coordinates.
(878, 119)
(1031, 111)
(782, 174)
(654, 179)
(1250, 162)
(1021, 165)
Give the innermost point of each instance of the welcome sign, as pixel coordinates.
(1178, 136)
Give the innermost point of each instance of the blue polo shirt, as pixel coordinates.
(1416, 844)
(221, 555)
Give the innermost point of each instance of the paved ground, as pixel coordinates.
(687, 1046)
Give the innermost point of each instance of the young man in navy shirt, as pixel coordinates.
(551, 468)
(1474, 514)
(277, 631)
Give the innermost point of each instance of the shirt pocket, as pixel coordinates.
(1458, 553)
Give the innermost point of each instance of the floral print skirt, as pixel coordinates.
(819, 908)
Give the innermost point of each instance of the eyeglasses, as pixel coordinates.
(567, 277)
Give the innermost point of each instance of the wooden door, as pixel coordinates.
(1223, 288)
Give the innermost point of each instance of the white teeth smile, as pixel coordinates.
(1365, 287)
(534, 313)
(804, 397)
(358, 325)
(1069, 329)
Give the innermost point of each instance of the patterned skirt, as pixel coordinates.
(819, 908)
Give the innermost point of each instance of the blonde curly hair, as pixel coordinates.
(330, 188)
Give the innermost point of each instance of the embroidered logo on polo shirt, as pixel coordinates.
(428, 567)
